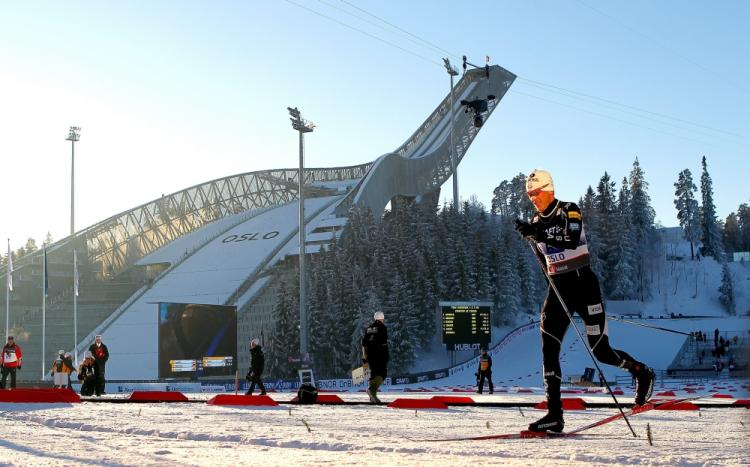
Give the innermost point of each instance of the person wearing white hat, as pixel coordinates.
(60, 370)
(101, 354)
(557, 231)
(375, 354)
(87, 375)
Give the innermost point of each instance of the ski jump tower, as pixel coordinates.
(423, 163)
(217, 241)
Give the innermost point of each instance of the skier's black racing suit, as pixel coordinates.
(561, 242)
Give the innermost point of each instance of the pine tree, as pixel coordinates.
(711, 238)
(688, 213)
(507, 298)
(623, 272)
(48, 240)
(644, 234)
(730, 234)
(285, 339)
(605, 208)
(591, 226)
(743, 221)
(364, 316)
(726, 290)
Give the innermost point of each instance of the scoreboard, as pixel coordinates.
(466, 325)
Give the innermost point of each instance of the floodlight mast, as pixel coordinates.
(452, 71)
(74, 134)
(302, 126)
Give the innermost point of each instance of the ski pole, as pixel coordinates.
(647, 326)
(585, 344)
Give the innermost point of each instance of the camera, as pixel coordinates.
(477, 106)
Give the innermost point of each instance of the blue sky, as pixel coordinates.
(170, 94)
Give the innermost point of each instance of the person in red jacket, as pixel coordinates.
(10, 360)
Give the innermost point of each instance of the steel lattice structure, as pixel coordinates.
(118, 242)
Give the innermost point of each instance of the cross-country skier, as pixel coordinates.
(558, 230)
(375, 353)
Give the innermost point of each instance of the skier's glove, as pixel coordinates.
(525, 229)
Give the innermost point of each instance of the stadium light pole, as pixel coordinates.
(302, 126)
(452, 71)
(73, 135)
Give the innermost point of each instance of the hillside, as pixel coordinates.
(680, 286)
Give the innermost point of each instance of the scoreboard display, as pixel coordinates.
(197, 340)
(466, 325)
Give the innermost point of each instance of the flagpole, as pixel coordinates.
(8, 288)
(44, 311)
(75, 306)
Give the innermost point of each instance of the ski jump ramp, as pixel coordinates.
(215, 242)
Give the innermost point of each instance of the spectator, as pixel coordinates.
(61, 369)
(257, 363)
(101, 355)
(375, 354)
(484, 372)
(69, 361)
(716, 337)
(10, 361)
(87, 375)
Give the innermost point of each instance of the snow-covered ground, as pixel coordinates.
(199, 434)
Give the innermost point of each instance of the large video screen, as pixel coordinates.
(197, 340)
(466, 325)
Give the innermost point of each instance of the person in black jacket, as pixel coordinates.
(375, 353)
(68, 359)
(87, 375)
(257, 363)
(484, 371)
(558, 232)
(101, 355)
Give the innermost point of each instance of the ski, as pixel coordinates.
(634, 411)
(526, 434)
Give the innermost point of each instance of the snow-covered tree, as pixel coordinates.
(606, 213)
(743, 219)
(726, 290)
(711, 237)
(510, 200)
(623, 285)
(730, 234)
(688, 212)
(507, 298)
(644, 234)
(285, 340)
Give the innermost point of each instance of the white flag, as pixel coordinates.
(75, 272)
(10, 269)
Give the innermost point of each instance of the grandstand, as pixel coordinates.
(218, 242)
